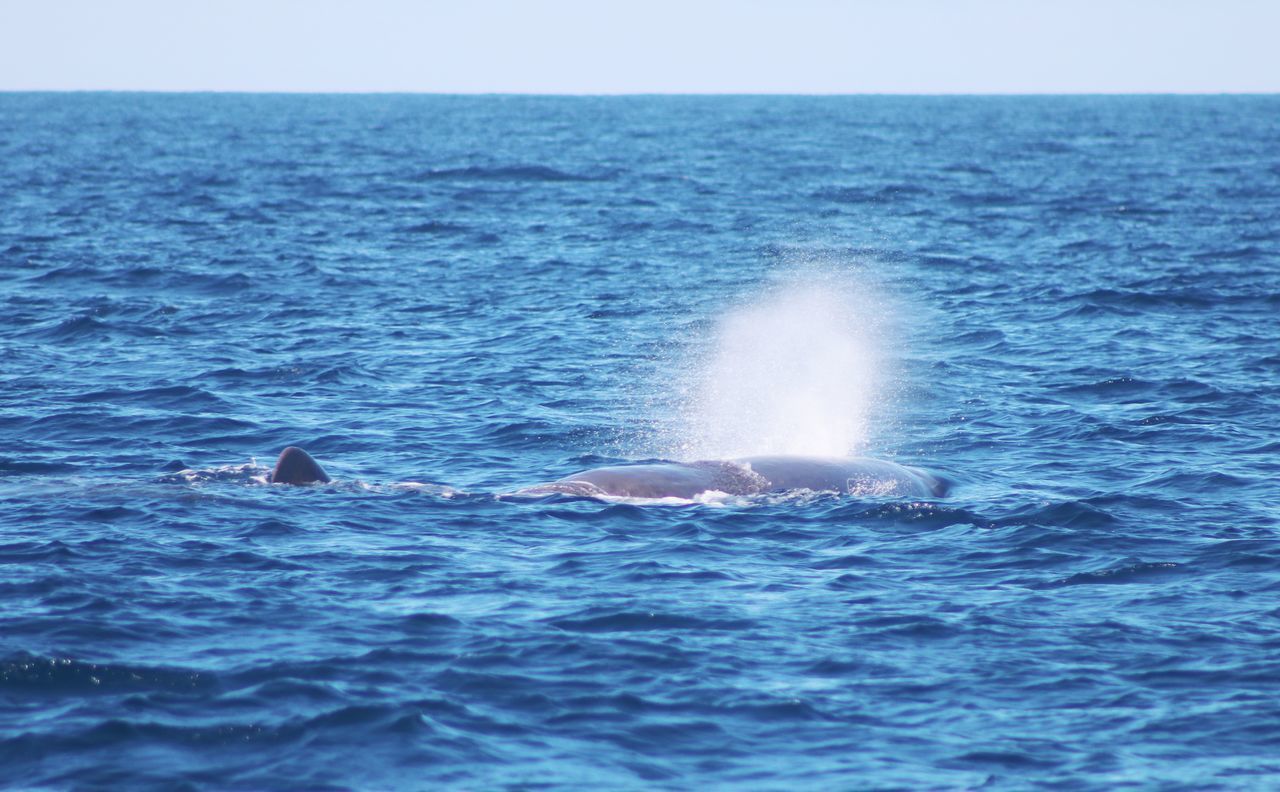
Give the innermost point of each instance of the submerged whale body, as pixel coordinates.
(745, 476)
(750, 476)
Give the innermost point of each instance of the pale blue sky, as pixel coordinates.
(664, 46)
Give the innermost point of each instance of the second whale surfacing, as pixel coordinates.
(687, 480)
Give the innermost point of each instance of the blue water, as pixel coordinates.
(447, 299)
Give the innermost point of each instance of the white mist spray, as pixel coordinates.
(793, 372)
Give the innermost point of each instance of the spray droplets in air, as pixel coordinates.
(794, 371)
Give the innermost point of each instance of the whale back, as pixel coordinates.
(653, 480)
(752, 475)
(855, 476)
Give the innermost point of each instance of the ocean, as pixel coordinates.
(1067, 306)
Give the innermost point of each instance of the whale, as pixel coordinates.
(686, 480)
(750, 476)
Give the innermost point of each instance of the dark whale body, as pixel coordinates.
(745, 476)
(751, 476)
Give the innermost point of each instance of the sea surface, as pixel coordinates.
(1068, 306)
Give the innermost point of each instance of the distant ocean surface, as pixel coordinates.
(1068, 306)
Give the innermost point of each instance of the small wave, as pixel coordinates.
(26, 466)
(392, 723)
(1246, 253)
(1133, 300)
(917, 515)
(427, 622)
(1049, 146)
(632, 621)
(526, 173)
(846, 562)
(1087, 246)
(271, 529)
(1009, 760)
(1180, 481)
(312, 371)
(521, 434)
(435, 228)
(247, 560)
(71, 272)
(76, 328)
(867, 195)
(985, 340)
(29, 675)
(984, 199)
(913, 627)
(32, 552)
(110, 514)
(1112, 387)
(1139, 572)
(968, 168)
(1254, 555)
(92, 325)
(1070, 514)
(182, 397)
